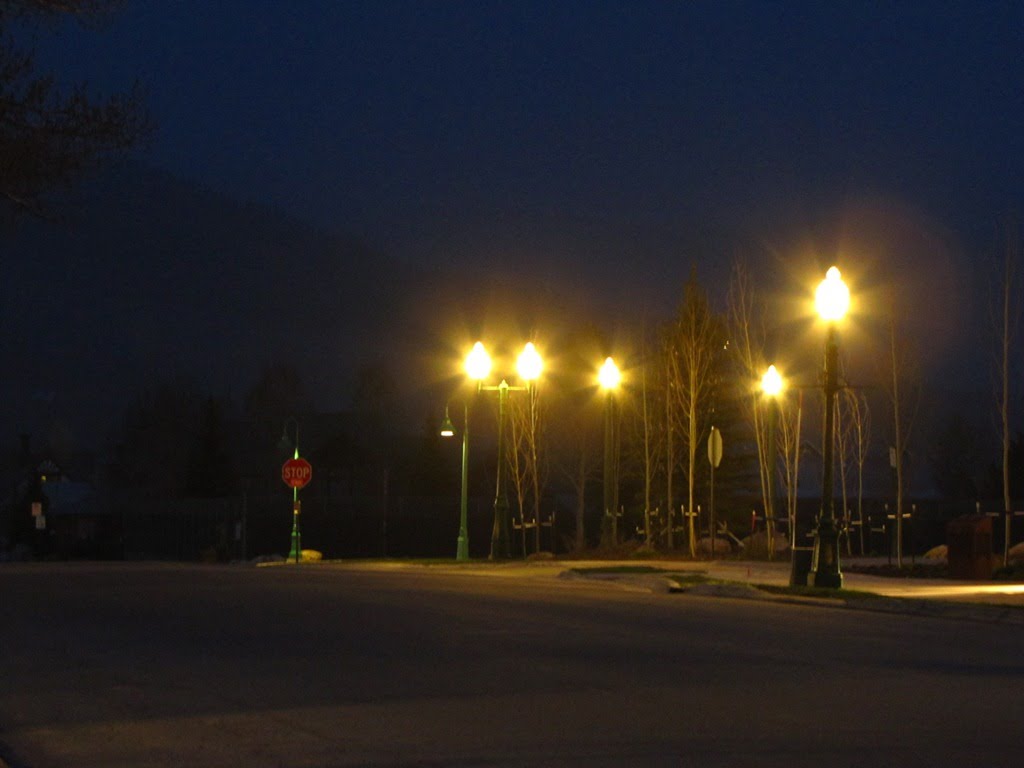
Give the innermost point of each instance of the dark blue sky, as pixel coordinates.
(601, 146)
(430, 128)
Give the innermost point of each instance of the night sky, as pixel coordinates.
(594, 151)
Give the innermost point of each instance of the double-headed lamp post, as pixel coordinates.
(771, 387)
(832, 300)
(609, 377)
(478, 366)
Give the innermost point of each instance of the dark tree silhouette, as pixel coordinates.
(211, 473)
(50, 133)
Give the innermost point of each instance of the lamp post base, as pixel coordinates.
(462, 549)
(825, 571)
(296, 550)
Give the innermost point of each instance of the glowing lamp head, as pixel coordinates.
(478, 362)
(832, 299)
(609, 377)
(771, 382)
(447, 428)
(529, 365)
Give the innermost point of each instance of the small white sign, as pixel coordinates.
(41, 523)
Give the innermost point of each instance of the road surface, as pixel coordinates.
(179, 665)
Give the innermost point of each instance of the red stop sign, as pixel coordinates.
(296, 473)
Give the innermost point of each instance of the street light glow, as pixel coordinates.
(529, 363)
(771, 382)
(609, 376)
(447, 428)
(478, 362)
(832, 299)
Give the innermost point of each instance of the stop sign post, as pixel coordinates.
(296, 473)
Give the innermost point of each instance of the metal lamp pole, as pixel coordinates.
(296, 538)
(462, 549)
(448, 430)
(609, 377)
(478, 366)
(833, 299)
(771, 386)
(825, 561)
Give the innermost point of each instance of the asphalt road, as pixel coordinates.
(170, 665)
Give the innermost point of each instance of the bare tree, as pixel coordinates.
(669, 427)
(904, 398)
(643, 446)
(518, 473)
(524, 459)
(651, 446)
(747, 341)
(49, 134)
(1010, 318)
(695, 338)
(789, 437)
(854, 439)
(576, 454)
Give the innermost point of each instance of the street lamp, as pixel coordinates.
(832, 300)
(609, 377)
(771, 386)
(478, 366)
(448, 430)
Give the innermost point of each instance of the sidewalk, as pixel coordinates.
(987, 601)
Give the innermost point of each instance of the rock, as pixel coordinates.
(757, 544)
(722, 546)
(1017, 552)
(544, 555)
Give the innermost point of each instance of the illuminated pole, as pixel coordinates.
(296, 538)
(832, 301)
(771, 386)
(609, 378)
(462, 550)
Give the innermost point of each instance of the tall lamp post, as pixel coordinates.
(832, 300)
(771, 387)
(448, 430)
(478, 366)
(609, 377)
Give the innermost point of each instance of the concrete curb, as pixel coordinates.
(739, 590)
(941, 609)
(938, 609)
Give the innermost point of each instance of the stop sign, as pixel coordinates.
(296, 473)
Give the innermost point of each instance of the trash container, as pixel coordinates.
(969, 542)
